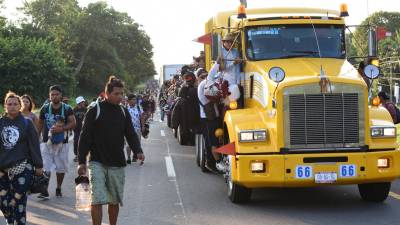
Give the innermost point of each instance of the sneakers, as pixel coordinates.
(220, 166)
(58, 192)
(128, 161)
(45, 195)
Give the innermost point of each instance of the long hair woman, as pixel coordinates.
(20, 158)
(27, 107)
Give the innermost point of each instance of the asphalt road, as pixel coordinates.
(169, 189)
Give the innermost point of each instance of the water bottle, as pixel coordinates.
(83, 199)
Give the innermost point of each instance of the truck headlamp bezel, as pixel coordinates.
(383, 132)
(252, 135)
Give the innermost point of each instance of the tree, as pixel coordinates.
(110, 42)
(30, 66)
(2, 19)
(389, 20)
(96, 41)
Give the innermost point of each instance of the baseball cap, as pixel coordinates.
(79, 99)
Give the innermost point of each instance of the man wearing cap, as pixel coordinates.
(230, 60)
(79, 113)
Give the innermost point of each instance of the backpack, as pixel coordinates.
(58, 138)
(97, 105)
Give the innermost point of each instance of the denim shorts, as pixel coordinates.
(106, 184)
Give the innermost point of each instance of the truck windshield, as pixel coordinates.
(290, 41)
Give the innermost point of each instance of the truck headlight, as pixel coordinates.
(260, 135)
(379, 132)
(252, 135)
(246, 136)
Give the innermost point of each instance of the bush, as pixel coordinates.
(29, 65)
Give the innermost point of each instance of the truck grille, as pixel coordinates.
(324, 120)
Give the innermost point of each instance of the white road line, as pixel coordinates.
(170, 166)
(162, 133)
(171, 173)
(394, 195)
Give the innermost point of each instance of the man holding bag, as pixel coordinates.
(105, 126)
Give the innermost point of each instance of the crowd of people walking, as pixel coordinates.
(36, 146)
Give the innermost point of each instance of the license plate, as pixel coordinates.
(325, 177)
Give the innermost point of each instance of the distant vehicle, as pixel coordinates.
(168, 71)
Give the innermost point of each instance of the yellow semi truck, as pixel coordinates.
(306, 119)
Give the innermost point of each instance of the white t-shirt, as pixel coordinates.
(202, 98)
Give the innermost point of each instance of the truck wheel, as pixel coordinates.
(236, 193)
(374, 192)
(181, 135)
(169, 120)
(198, 142)
(203, 155)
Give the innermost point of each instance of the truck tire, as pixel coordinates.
(203, 155)
(236, 193)
(181, 135)
(374, 192)
(169, 120)
(197, 143)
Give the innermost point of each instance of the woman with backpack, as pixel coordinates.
(19, 155)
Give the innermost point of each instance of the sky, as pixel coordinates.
(173, 24)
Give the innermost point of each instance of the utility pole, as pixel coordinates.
(391, 82)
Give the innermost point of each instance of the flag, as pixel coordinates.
(205, 39)
(382, 33)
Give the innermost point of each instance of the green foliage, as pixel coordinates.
(389, 20)
(112, 44)
(96, 41)
(29, 65)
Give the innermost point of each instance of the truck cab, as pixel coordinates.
(306, 119)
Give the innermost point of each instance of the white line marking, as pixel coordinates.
(168, 160)
(162, 133)
(394, 195)
(170, 166)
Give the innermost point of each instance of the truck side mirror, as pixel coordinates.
(371, 71)
(372, 43)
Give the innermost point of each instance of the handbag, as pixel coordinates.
(39, 184)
